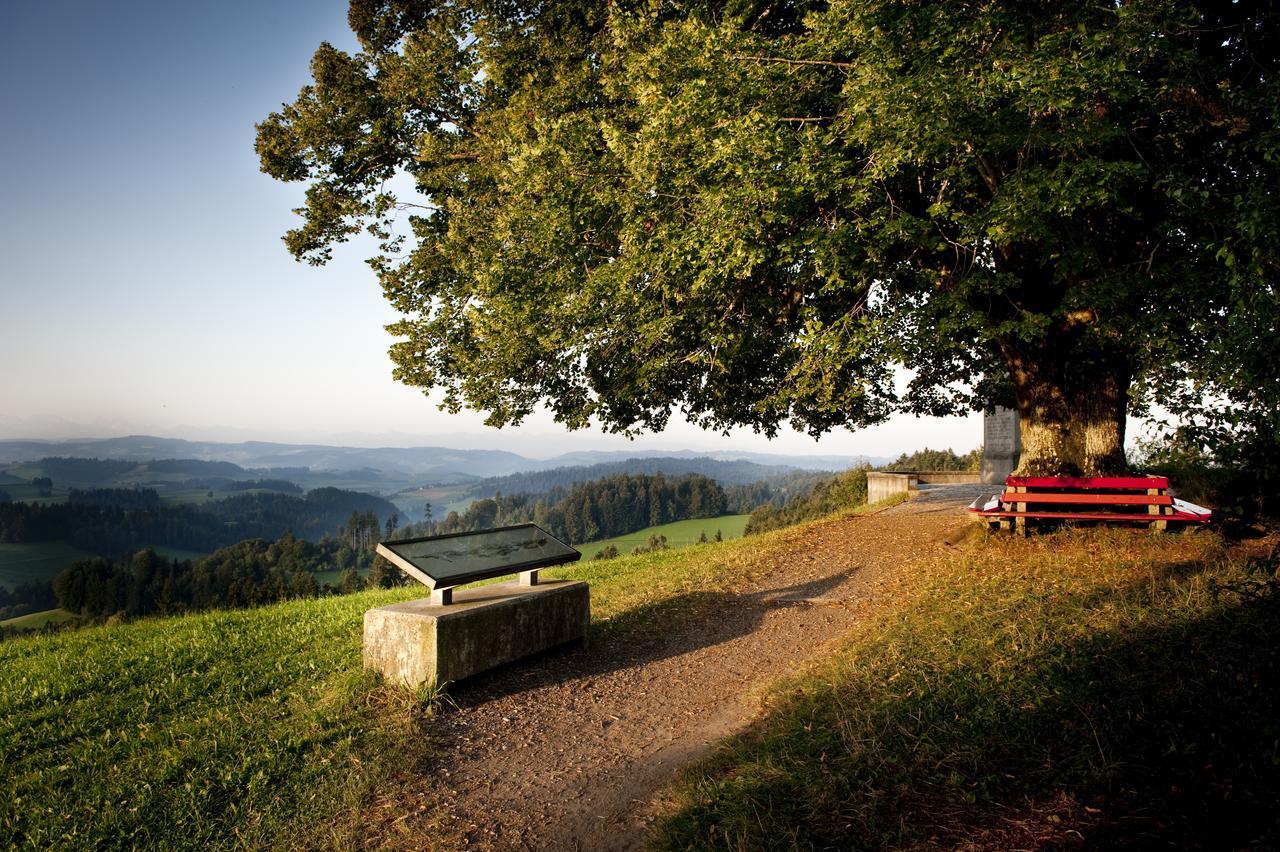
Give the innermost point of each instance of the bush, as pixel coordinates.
(846, 490)
(1238, 491)
(656, 543)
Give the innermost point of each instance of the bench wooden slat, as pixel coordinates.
(1088, 499)
(1099, 516)
(1123, 483)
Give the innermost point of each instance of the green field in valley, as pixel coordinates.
(678, 533)
(25, 492)
(39, 561)
(454, 497)
(36, 620)
(332, 576)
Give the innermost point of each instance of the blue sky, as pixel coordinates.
(143, 285)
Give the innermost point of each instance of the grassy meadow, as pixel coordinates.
(38, 561)
(218, 729)
(42, 560)
(453, 497)
(250, 727)
(1099, 688)
(25, 492)
(36, 620)
(1113, 683)
(678, 533)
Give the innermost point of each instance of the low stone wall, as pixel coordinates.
(883, 485)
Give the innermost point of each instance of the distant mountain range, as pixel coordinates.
(441, 464)
(736, 472)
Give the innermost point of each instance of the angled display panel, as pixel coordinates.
(453, 560)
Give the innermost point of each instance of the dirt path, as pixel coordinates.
(567, 751)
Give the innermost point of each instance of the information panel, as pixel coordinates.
(444, 561)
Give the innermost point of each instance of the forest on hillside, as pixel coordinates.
(244, 574)
(727, 473)
(587, 511)
(112, 521)
(248, 573)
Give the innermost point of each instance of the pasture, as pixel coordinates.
(42, 560)
(39, 561)
(36, 620)
(443, 499)
(678, 533)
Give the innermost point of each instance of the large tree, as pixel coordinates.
(753, 211)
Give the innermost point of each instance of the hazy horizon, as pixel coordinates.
(887, 440)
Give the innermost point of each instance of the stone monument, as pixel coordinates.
(458, 632)
(1001, 444)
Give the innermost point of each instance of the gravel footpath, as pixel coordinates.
(569, 749)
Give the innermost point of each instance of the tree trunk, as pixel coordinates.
(1072, 402)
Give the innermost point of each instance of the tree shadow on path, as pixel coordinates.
(646, 634)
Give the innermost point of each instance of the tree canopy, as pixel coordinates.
(753, 211)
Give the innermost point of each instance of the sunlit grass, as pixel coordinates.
(1105, 683)
(249, 727)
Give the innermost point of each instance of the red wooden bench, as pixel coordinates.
(1112, 499)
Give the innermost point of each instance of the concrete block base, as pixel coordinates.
(420, 642)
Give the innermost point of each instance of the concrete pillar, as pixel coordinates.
(1001, 444)
(420, 641)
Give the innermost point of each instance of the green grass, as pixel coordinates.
(201, 496)
(40, 561)
(255, 727)
(678, 533)
(219, 729)
(333, 576)
(1066, 682)
(28, 493)
(1098, 688)
(36, 620)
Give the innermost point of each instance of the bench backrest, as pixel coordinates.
(1100, 483)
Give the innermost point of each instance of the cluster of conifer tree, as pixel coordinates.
(602, 508)
(120, 498)
(727, 473)
(248, 573)
(111, 521)
(928, 459)
(26, 597)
